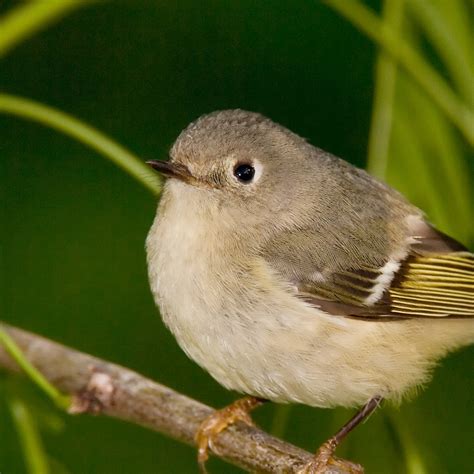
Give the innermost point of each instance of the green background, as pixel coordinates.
(73, 225)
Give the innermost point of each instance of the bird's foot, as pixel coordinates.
(324, 462)
(219, 421)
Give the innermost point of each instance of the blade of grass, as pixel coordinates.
(382, 112)
(409, 172)
(438, 31)
(443, 154)
(421, 71)
(69, 125)
(434, 141)
(30, 439)
(62, 401)
(412, 455)
(280, 420)
(25, 20)
(458, 15)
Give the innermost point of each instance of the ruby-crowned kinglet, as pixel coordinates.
(291, 276)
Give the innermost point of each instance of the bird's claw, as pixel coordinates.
(218, 422)
(324, 460)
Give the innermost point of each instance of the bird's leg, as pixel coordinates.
(220, 420)
(324, 457)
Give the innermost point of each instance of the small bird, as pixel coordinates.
(292, 276)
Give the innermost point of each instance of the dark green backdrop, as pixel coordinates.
(73, 225)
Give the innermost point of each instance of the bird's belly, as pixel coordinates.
(289, 352)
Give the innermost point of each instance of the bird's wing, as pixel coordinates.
(433, 277)
(434, 285)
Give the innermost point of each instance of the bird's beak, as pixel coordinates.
(172, 170)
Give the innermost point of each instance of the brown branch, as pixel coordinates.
(99, 386)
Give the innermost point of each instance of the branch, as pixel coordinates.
(99, 386)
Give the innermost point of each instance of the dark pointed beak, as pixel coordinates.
(171, 170)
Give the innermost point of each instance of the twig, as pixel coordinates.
(99, 386)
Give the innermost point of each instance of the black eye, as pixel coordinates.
(244, 173)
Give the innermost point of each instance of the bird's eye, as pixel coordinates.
(244, 173)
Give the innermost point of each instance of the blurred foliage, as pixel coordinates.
(73, 225)
(425, 158)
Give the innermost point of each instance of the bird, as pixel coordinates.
(292, 276)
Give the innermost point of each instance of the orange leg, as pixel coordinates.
(219, 421)
(324, 457)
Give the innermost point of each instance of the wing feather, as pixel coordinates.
(435, 285)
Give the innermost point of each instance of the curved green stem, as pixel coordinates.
(280, 420)
(413, 457)
(24, 21)
(30, 438)
(382, 112)
(62, 401)
(84, 133)
(430, 81)
(438, 30)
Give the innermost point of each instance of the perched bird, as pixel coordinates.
(292, 276)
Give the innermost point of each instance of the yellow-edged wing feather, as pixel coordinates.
(436, 285)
